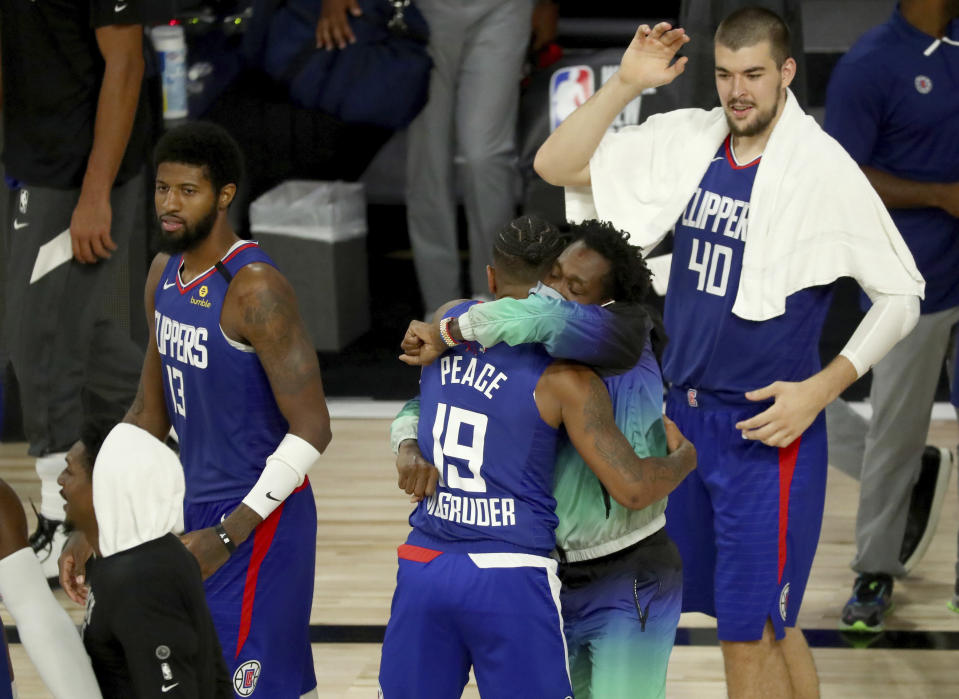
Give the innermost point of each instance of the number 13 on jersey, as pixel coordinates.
(175, 378)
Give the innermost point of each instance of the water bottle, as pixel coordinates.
(170, 46)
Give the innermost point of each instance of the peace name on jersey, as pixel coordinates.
(486, 381)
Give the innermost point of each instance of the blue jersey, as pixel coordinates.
(480, 427)
(217, 395)
(892, 103)
(709, 347)
(6, 672)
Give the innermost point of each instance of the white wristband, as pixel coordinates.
(283, 473)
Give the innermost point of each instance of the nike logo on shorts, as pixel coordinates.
(121, 8)
(167, 687)
(17, 225)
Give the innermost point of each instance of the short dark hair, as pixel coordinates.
(629, 279)
(749, 26)
(526, 247)
(205, 145)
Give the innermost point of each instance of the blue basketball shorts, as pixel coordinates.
(261, 598)
(747, 520)
(498, 612)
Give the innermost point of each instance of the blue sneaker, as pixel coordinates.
(870, 602)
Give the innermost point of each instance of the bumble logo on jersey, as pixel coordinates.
(182, 342)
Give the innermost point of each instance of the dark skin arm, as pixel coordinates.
(260, 310)
(900, 193)
(147, 412)
(13, 522)
(416, 476)
(573, 395)
(122, 49)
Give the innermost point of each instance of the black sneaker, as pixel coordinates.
(925, 505)
(870, 602)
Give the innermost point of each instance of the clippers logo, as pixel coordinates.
(245, 677)
(691, 398)
(24, 200)
(568, 89)
(923, 84)
(784, 601)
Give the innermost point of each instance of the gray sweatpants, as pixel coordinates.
(885, 453)
(477, 48)
(59, 333)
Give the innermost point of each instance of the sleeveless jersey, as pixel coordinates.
(591, 523)
(709, 347)
(217, 395)
(480, 427)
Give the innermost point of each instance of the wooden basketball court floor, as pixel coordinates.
(362, 518)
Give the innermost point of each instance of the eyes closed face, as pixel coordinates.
(579, 274)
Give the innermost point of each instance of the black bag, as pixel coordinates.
(381, 80)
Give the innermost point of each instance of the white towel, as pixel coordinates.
(813, 215)
(138, 489)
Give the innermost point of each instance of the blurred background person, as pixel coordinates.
(76, 134)
(892, 103)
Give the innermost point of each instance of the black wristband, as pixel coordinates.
(225, 538)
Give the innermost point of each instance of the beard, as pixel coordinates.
(189, 237)
(759, 123)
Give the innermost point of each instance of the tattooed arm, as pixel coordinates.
(148, 410)
(260, 310)
(575, 396)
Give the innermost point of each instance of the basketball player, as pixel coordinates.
(475, 583)
(621, 574)
(147, 628)
(47, 634)
(744, 311)
(233, 370)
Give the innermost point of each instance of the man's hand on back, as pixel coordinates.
(416, 476)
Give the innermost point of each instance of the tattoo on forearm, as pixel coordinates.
(616, 450)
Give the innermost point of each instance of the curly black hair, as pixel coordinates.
(526, 247)
(629, 279)
(205, 145)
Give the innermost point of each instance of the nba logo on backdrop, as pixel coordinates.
(568, 89)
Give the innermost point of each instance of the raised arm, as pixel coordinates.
(611, 337)
(564, 158)
(575, 396)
